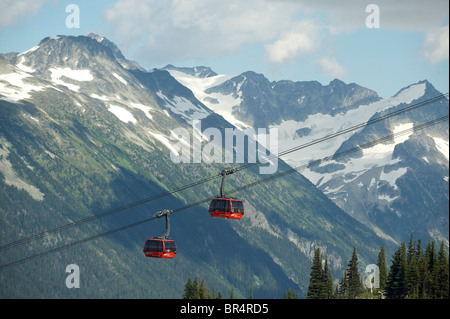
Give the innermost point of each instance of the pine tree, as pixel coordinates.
(431, 257)
(430, 254)
(316, 285)
(343, 286)
(188, 289)
(251, 293)
(195, 289)
(327, 282)
(353, 278)
(412, 271)
(442, 274)
(291, 294)
(396, 285)
(202, 290)
(232, 293)
(423, 273)
(382, 268)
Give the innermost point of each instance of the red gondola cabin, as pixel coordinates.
(160, 248)
(226, 208)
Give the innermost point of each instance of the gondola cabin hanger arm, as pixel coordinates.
(161, 247)
(224, 207)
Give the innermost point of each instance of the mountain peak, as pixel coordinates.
(418, 90)
(104, 41)
(429, 87)
(337, 83)
(197, 71)
(69, 45)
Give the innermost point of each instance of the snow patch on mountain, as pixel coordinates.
(379, 155)
(220, 103)
(223, 105)
(143, 108)
(29, 50)
(410, 94)
(393, 176)
(184, 107)
(403, 132)
(442, 146)
(23, 67)
(321, 125)
(198, 85)
(98, 97)
(122, 114)
(121, 79)
(165, 142)
(77, 75)
(13, 87)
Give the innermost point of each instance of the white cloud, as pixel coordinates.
(12, 10)
(435, 48)
(294, 43)
(131, 17)
(168, 31)
(176, 29)
(344, 15)
(330, 66)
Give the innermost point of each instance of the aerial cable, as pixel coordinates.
(264, 180)
(350, 129)
(345, 153)
(170, 192)
(103, 214)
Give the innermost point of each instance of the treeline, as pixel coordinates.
(194, 290)
(414, 273)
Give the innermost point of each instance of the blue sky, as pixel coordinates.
(297, 40)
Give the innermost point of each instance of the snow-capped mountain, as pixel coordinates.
(395, 188)
(83, 131)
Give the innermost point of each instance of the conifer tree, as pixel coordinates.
(412, 271)
(430, 254)
(291, 294)
(195, 289)
(423, 273)
(202, 291)
(353, 278)
(336, 292)
(327, 282)
(442, 274)
(396, 285)
(188, 289)
(343, 286)
(381, 263)
(431, 257)
(316, 285)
